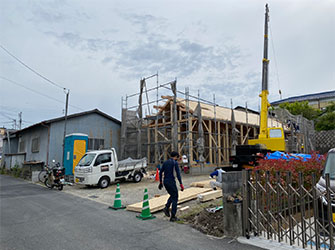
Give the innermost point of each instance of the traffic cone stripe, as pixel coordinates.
(145, 215)
(117, 200)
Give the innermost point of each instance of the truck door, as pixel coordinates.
(103, 165)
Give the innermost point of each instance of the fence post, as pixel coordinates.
(257, 203)
(302, 209)
(268, 204)
(316, 212)
(290, 206)
(279, 205)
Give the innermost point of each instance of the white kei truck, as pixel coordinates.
(101, 167)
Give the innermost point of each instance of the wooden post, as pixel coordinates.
(156, 142)
(219, 142)
(241, 129)
(227, 143)
(210, 141)
(148, 147)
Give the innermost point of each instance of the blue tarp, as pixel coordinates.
(280, 155)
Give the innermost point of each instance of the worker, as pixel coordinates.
(167, 170)
(218, 183)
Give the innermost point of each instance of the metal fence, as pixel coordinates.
(289, 209)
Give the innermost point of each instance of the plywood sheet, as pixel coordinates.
(212, 195)
(158, 203)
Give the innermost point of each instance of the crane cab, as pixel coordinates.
(275, 141)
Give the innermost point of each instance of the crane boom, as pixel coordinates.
(272, 138)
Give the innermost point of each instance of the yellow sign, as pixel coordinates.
(333, 217)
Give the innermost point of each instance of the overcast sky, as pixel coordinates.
(101, 49)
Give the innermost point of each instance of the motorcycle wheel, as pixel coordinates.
(60, 187)
(48, 184)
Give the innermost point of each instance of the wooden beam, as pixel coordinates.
(246, 136)
(227, 143)
(210, 138)
(190, 140)
(156, 142)
(211, 195)
(219, 142)
(164, 137)
(148, 147)
(241, 133)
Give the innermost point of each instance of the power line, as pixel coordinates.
(36, 92)
(34, 71)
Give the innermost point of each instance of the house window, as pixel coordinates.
(95, 144)
(22, 146)
(35, 145)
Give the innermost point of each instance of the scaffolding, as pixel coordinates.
(197, 128)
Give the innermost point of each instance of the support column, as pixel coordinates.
(210, 138)
(219, 143)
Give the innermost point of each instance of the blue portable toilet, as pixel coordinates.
(75, 147)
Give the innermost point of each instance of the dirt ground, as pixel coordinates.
(206, 222)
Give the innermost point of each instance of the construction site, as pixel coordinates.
(160, 119)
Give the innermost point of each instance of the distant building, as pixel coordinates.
(318, 100)
(43, 141)
(3, 134)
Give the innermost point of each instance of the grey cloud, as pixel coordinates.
(91, 44)
(152, 50)
(57, 11)
(147, 23)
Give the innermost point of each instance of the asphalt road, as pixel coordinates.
(33, 217)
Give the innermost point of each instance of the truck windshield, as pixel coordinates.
(330, 166)
(86, 160)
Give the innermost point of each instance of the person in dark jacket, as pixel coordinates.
(167, 170)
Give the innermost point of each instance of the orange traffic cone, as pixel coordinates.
(157, 175)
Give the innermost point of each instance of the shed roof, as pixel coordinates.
(93, 111)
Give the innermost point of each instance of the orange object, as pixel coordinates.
(157, 175)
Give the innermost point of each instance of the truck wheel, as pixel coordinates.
(137, 177)
(103, 182)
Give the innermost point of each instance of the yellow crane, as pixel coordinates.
(271, 138)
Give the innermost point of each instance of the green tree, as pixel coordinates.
(301, 108)
(325, 122)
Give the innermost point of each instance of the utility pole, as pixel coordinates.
(67, 92)
(20, 120)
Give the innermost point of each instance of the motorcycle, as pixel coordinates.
(55, 177)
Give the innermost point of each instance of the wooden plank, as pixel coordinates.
(212, 195)
(158, 203)
(202, 184)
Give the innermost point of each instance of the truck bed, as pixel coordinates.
(130, 164)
